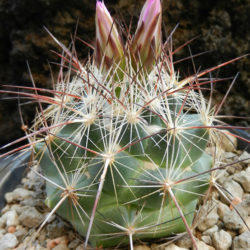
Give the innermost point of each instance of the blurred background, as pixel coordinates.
(222, 26)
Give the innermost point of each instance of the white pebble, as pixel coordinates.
(10, 218)
(18, 194)
(8, 242)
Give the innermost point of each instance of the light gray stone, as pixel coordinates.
(209, 217)
(221, 176)
(232, 220)
(234, 189)
(18, 194)
(242, 242)
(56, 228)
(211, 230)
(245, 155)
(207, 239)
(34, 181)
(30, 217)
(246, 203)
(8, 242)
(5, 209)
(202, 245)
(222, 209)
(2, 233)
(10, 218)
(243, 178)
(20, 232)
(174, 247)
(222, 240)
(61, 247)
(184, 241)
(142, 247)
(17, 207)
(229, 157)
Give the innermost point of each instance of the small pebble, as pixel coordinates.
(210, 217)
(207, 239)
(60, 240)
(18, 194)
(56, 228)
(174, 247)
(11, 229)
(211, 230)
(222, 209)
(221, 176)
(2, 233)
(246, 226)
(232, 220)
(184, 242)
(203, 246)
(245, 155)
(17, 207)
(246, 203)
(142, 247)
(21, 232)
(222, 240)
(234, 189)
(243, 178)
(30, 217)
(61, 247)
(234, 202)
(10, 218)
(242, 242)
(5, 209)
(8, 242)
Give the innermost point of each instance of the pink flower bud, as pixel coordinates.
(109, 47)
(147, 44)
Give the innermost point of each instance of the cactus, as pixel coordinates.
(122, 145)
(116, 166)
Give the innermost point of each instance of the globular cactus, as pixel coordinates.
(126, 140)
(122, 145)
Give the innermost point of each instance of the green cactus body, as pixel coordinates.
(137, 146)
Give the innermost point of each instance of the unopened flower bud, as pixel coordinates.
(109, 47)
(146, 45)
